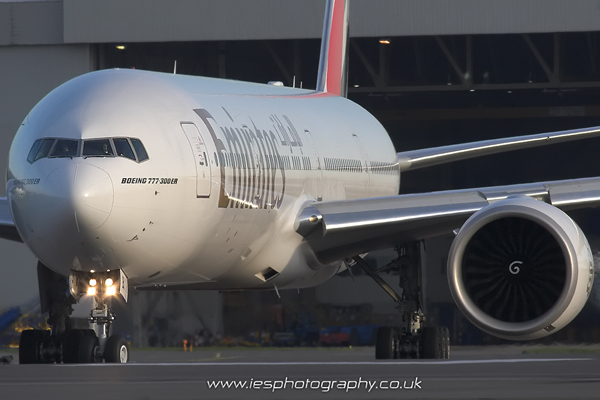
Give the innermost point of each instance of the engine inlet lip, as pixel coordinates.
(511, 208)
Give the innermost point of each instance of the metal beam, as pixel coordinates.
(465, 79)
(446, 114)
(278, 62)
(552, 77)
(475, 87)
(377, 80)
(383, 62)
(470, 58)
(556, 39)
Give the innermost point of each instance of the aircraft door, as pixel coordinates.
(202, 161)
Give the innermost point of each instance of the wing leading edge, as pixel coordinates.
(341, 229)
(7, 225)
(415, 159)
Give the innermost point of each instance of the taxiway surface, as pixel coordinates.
(503, 372)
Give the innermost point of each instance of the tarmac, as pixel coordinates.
(492, 372)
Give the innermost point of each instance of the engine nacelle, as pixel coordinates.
(520, 269)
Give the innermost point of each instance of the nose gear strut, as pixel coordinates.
(64, 343)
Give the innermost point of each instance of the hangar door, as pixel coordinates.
(198, 147)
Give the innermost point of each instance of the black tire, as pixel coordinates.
(117, 350)
(435, 343)
(88, 345)
(387, 339)
(70, 346)
(30, 345)
(446, 355)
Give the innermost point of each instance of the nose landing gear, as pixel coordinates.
(63, 343)
(113, 349)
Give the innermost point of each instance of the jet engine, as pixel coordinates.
(520, 269)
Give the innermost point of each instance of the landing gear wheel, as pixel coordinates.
(387, 339)
(446, 355)
(435, 343)
(30, 345)
(70, 348)
(70, 344)
(117, 350)
(88, 345)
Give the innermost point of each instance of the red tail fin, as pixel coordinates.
(333, 64)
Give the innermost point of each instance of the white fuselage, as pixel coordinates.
(230, 165)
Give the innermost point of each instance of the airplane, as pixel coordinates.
(158, 181)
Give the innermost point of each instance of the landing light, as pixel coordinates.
(121, 47)
(109, 282)
(91, 291)
(111, 291)
(384, 41)
(93, 282)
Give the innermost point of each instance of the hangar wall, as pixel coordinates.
(27, 74)
(31, 22)
(90, 21)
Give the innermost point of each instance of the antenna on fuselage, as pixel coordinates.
(276, 290)
(175, 68)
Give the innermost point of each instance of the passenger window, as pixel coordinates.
(139, 149)
(44, 149)
(34, 149)
(97, 147)
(123, 148)
(65, 148)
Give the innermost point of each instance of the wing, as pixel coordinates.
(341, 229)
(7, 225)
(414, 159)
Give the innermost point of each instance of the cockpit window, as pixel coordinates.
(123, 148)
(130, 148)
(98, 148)
(34, 149)
(65, 148)
(44, 149)
(139, 149)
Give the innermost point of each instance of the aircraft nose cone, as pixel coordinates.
(89, 191)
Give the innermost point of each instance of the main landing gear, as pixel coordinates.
(412, 339)
(63, 343)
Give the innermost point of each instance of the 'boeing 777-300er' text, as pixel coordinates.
(163, 181)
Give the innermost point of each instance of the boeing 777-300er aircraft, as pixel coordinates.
(124, 178)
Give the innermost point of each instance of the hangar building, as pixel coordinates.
(433, 72)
